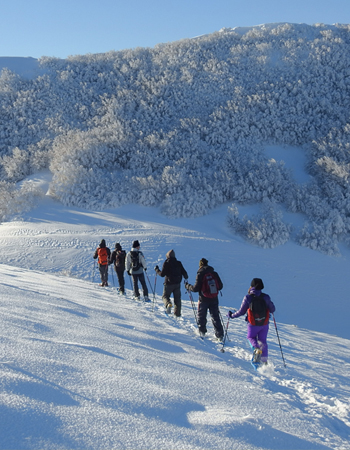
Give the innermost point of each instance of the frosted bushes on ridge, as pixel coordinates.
(16, 200)
(22, 163)
(16, 166)
(314, 236)
(266, 229)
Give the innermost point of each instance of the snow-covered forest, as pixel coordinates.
(184, 126)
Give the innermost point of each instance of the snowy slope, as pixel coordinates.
(307, 287)
(82, 367)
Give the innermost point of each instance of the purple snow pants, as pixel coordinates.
(257, 338)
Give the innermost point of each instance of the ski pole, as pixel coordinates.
(93, 271)
(192, 303)
(222, 323)
(149, 283)
(112, 275)
(131, 284)
(224, 341)
(154, 294)
(284, 363)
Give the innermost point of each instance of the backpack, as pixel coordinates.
(102, 256)
(175, 269)
(258, 312)
(120, 259)
(135, 261)
(210, 285)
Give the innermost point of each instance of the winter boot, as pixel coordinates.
(257, 355)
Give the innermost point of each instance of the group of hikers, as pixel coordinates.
(256, 305)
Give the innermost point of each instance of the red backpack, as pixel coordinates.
(258, 312)
(102, 256)
(210, 286)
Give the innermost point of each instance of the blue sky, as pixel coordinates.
(70, 27)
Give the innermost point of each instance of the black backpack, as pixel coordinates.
(120, 259)
(175, 270)
(258, 313)
(135, 261)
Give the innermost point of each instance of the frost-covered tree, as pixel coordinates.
(267, 229)
(16, 200)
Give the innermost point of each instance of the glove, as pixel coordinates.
(229, 314)
(156, 268)
(187, 285)
(145, 269)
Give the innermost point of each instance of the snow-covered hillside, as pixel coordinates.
(82, 367)
(185, 127)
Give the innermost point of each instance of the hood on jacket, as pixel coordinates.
(170, 254)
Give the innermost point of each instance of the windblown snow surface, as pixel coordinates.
(83, 367)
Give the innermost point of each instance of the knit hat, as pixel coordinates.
(118, 246)
(135, 244)
(257, 283)
(203, 262)
(170, 254)
(103, 243)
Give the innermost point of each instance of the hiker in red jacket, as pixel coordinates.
(102, 254)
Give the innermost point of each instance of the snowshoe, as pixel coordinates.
(256, 358)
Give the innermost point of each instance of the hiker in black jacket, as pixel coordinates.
(207, 300)
(173, 271)
(118, 258)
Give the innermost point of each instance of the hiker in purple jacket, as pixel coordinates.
(258, 307)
